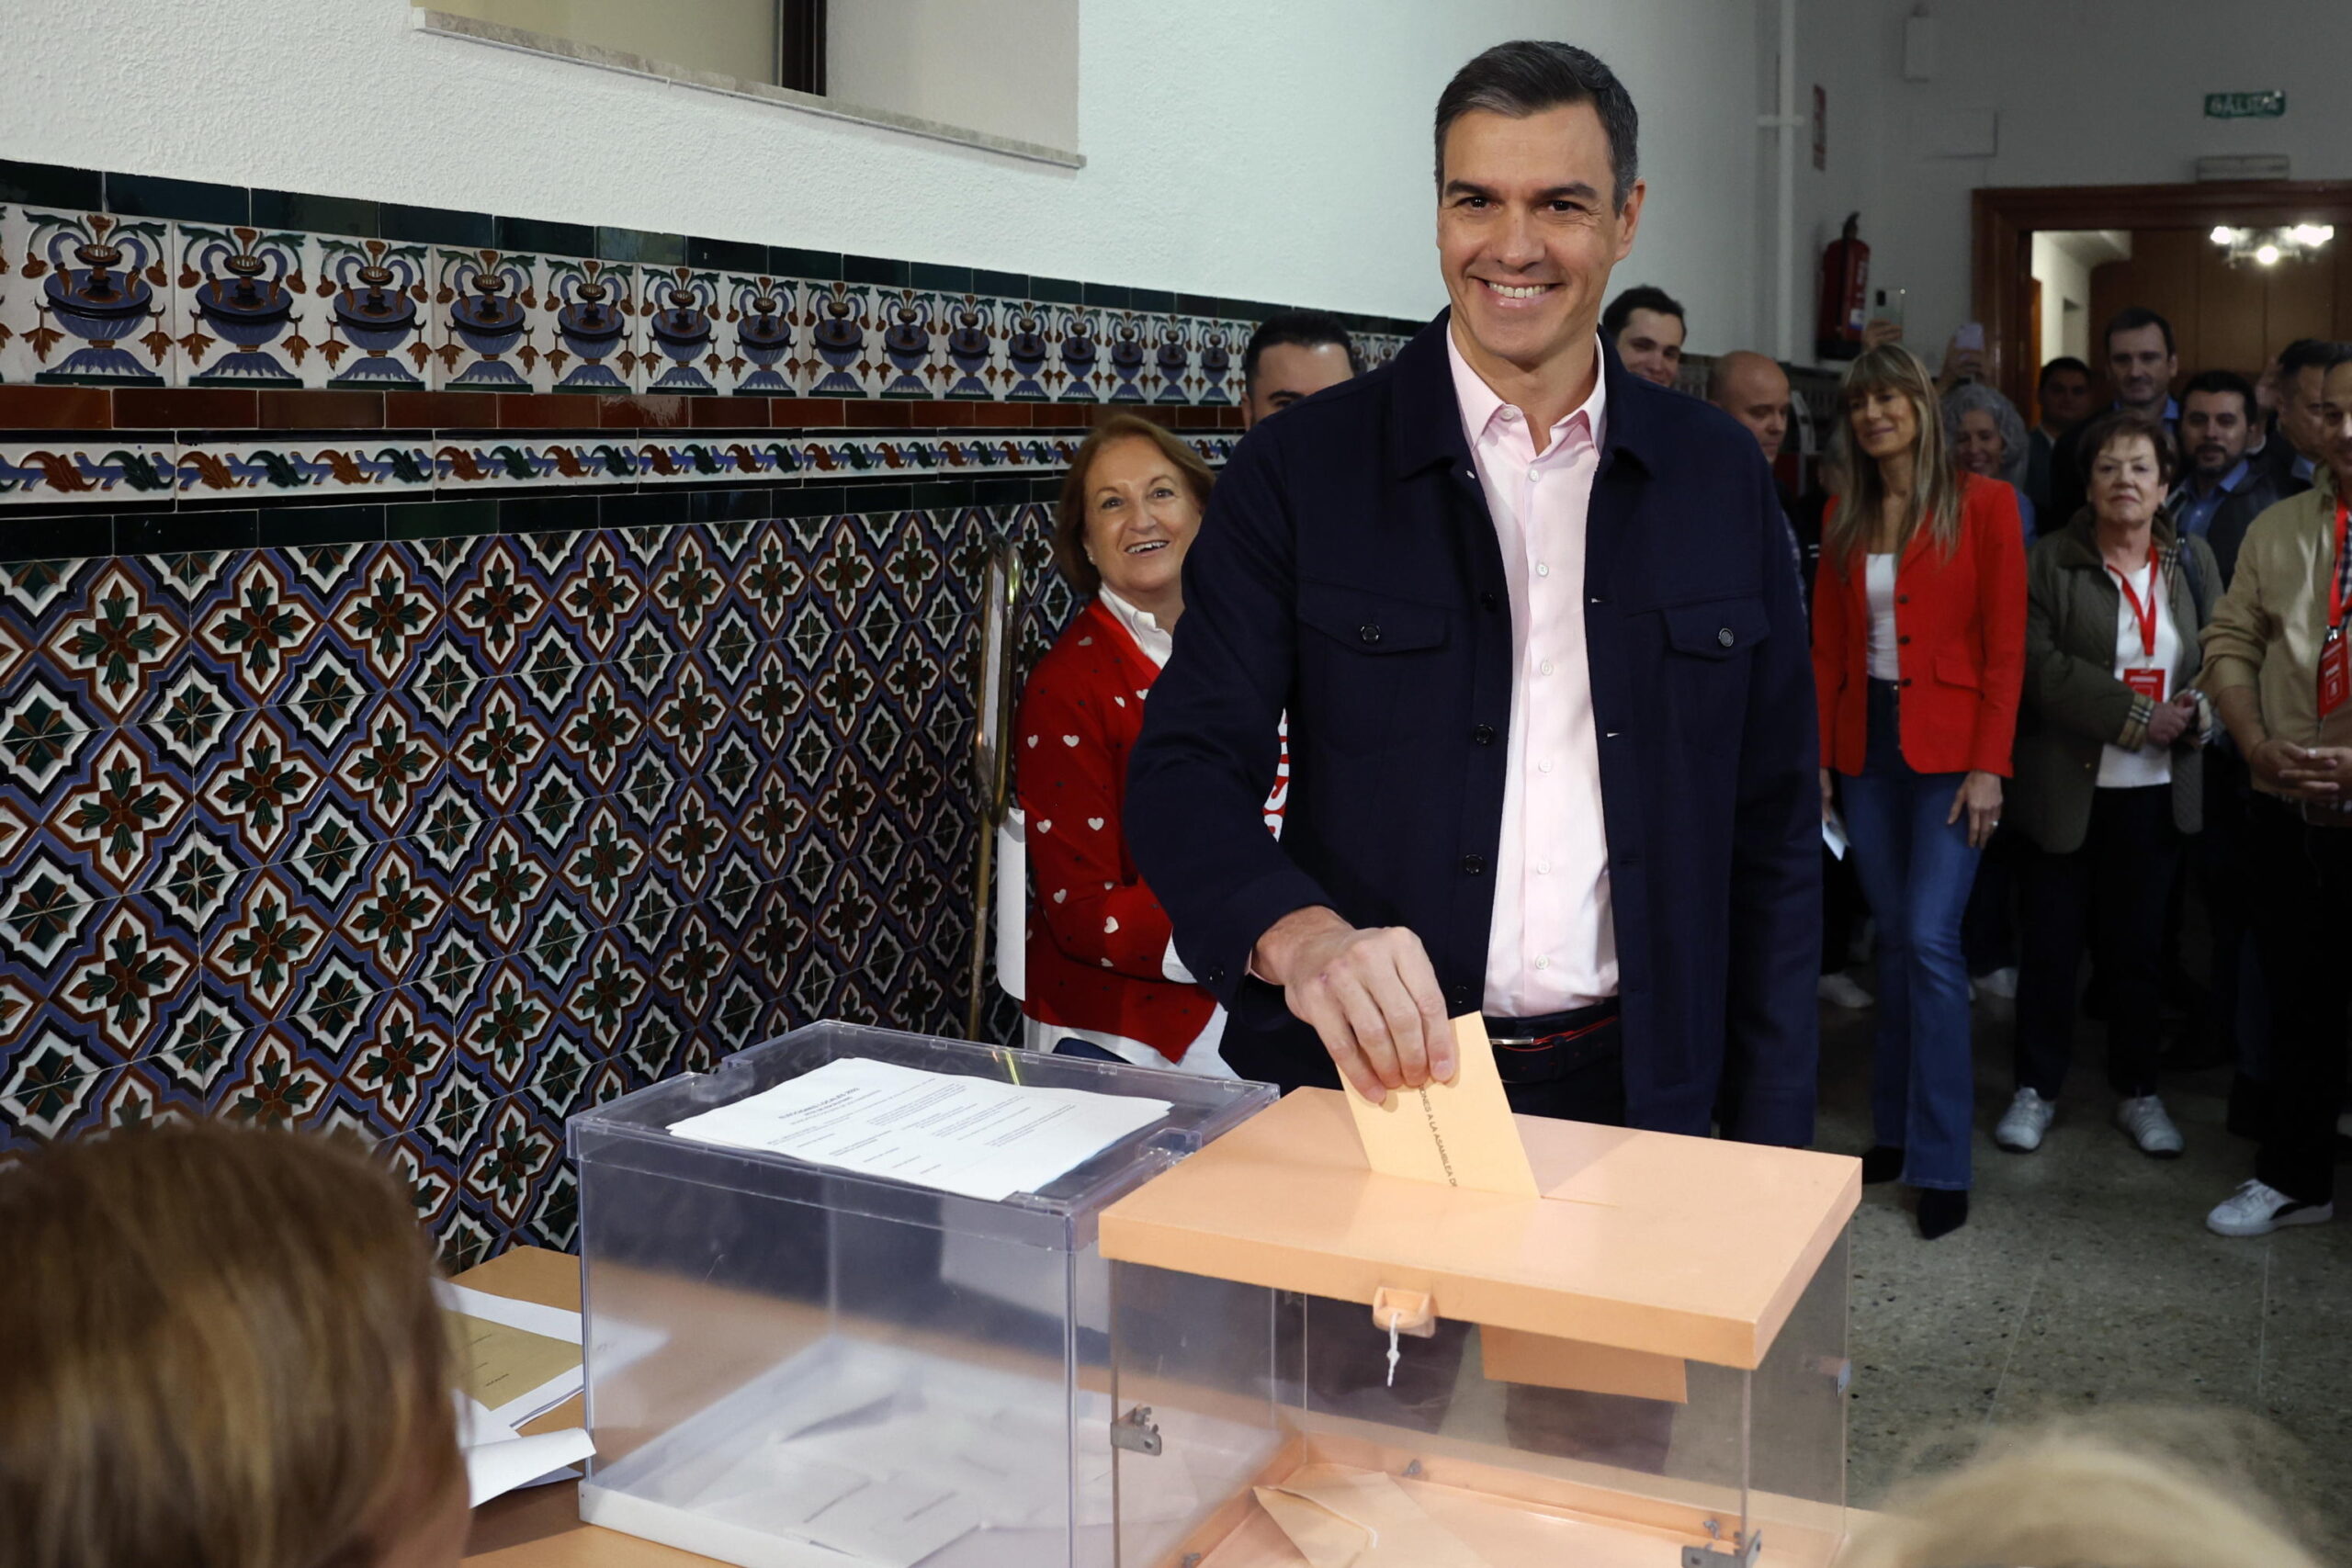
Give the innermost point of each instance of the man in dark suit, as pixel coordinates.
(1537, 631)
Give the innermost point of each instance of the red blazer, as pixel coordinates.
(1097, 936)
(1959, 628)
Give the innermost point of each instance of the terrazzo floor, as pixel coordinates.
(2086, 1285)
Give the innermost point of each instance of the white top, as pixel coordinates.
(1878, 588)
(1201, 1057)
(1552, 942)
(2118, 769)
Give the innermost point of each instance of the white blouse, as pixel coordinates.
(2118, 769)
(1878, 588)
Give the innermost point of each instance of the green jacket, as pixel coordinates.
(2074, 706)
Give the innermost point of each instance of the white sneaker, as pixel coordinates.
(2142, 1119)
(1840, 989)
(2001, 983)
(2256, 1209)
(2021, 1126)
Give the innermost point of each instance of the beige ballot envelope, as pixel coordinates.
(1354, 1518)
(1457, 1134)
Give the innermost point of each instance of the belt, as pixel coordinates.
(2312, 813)
(1555, 1032)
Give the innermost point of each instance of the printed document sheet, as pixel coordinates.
(973, 1136)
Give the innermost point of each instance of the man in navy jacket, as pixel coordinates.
(1483, 675)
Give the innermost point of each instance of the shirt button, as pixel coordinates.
(1545, 666)
(1541, 570)
(1473, 866)
(1545, 766)
(1533, 475)
(1542, 964)
(1510, 414)
(1542, 868)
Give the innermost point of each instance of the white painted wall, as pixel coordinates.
(1275, 152)
(2065, 282)
(1008, 67)
(2088, 92)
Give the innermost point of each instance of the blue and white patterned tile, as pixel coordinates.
(679, 310)
(1081, 353)
(839, 342)
(304, 467)
(912, 328)
(594, 331)
(1129, 343)
(116, 470)
(972, 333)
(1216, 362)
(244, 313)
(757, 334)
(1032, 371)
(489, 333)
(375, 325)
(88, 301)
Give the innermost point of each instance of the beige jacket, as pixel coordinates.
(2268, 628)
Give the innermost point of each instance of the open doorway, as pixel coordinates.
(2053, 262)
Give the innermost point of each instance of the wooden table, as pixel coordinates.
(539, 1527)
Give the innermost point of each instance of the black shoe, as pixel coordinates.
(1941, 1211)
(2244, 1118)
(1881, 1163)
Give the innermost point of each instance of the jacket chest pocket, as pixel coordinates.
(1710, 647)
(1373, 669)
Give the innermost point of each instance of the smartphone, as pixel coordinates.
(1971, 336)
(1887, 305)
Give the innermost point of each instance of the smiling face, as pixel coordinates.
(1651, 345)
(1140, 519)
(1526, 233)
(2213, 431)
(2140, 366)
(1885, 421)
(2127, 481)
(1977, 446)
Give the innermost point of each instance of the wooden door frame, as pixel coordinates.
(2005, 218)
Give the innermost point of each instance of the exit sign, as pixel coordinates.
(2244, 105)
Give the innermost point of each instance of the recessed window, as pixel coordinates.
(995, 73)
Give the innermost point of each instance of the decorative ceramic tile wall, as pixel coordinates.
(629, 729)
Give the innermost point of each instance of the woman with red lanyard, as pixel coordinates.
(2107, 779)
(1104, 977)
(1919, 646)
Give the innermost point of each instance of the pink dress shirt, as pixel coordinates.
(1554, 945)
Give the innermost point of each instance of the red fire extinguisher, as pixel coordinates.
(1845, 283)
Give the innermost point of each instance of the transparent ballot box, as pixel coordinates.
(793, 1363)
(1643, 1366)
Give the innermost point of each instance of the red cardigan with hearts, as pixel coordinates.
(1097, 936)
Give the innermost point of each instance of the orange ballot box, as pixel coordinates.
(1644, 1363)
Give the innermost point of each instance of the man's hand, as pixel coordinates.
(1371, 995)
(1879, 332)
(2312, 773)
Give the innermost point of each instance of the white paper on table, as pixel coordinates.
(975, 1137)
(494, 1469)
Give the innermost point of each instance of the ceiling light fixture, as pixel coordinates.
(2268, 247)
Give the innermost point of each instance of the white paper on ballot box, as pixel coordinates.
(976, 1137)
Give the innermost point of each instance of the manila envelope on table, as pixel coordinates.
(1461, 1133)
(1350, 1518)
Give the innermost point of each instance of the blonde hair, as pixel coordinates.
(222, 1351)
(1070, 516)
(2060, 1497)
(1934, 484)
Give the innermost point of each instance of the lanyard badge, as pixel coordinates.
(2148, 680)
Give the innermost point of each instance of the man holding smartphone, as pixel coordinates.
(2278, 665)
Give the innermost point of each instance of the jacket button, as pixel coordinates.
(1368, 632)
(1902, 598)
(1903, 642)
(1483, 735)
(1473, 866)
(1217, 975)
(1905, 682)
(1725, 637)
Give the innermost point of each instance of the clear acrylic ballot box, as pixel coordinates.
(1644, 1366)
(793, 1364)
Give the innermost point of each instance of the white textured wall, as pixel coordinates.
(1263, 150)
(2088, 92)
(1008, 67)
(2063, 277)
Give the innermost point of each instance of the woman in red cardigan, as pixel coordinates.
(1918, 653)
(1104, 979)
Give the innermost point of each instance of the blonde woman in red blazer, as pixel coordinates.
(1104, 979)
(1919, 654)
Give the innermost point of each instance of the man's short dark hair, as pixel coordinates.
(2059, 367)
(2222, 381)
(1533, 75)
(1299, 329)
(2131, 319)
(1641, 297)
(2312, 354)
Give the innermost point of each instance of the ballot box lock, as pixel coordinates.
(1741, 1549)
(1136, 1433)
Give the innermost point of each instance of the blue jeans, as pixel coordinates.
(1087, 1049)
(1916, 870)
